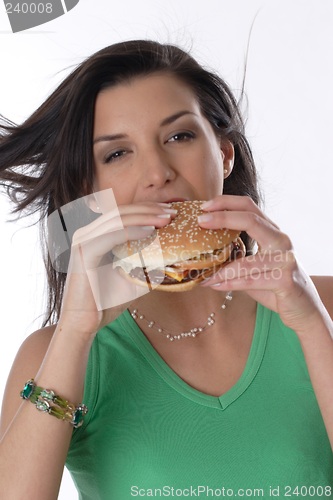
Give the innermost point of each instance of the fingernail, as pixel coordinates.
(207, 204)
(148, 228)
(164, 216)
(165, 204)
(205, 218)
(170, 210)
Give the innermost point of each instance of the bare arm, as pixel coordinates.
(317, 345)
(34, 445)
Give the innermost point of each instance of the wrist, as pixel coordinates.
(47, 401)
(317, 326)
(79, 327)
(64, 366)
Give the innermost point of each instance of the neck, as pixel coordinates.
(180, 312)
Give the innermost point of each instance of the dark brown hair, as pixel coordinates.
(48, 160)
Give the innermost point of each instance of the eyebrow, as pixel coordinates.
(166, 121)
(173, 118)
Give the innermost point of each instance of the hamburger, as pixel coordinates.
(176, 257)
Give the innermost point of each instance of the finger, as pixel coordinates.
(274, 274)
(114, 224)
(268, 236)
(265, 280)
(128, 220)
(146, 207)
(252, 265)
(118, 213)
(235, 203)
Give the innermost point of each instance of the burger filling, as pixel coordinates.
(200, 267)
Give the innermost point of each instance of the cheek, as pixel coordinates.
(104, 180)
(101, 183)
(215, 181)
(213, 168)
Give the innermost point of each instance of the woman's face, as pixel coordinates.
(152, 143)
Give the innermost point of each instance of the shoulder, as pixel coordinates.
(31, 353)
(26, 364)
(324, 285)
(37, 342)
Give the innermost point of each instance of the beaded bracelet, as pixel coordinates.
(49, 402)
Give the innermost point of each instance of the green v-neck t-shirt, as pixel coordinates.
(148, 434)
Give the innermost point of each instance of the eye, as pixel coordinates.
(181, 137)
(116, 155)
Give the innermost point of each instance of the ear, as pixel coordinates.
(228, 155)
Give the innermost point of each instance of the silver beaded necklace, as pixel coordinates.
(194, 332)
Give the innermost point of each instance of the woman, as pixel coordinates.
(247, 404)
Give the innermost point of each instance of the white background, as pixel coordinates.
(289, 85)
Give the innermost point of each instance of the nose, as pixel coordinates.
(156, 169)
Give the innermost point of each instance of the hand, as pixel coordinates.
(90, 282)
(272, 276)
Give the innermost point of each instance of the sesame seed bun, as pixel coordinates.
(180, 255)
